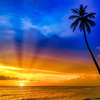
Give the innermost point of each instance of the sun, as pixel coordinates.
(21, 84)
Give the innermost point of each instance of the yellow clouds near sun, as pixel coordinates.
(19, 74)
(46, 70)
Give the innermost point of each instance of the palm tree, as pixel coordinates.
(82, 19)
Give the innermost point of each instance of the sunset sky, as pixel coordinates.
(38, 47)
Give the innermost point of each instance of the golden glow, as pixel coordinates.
(9, 67)
(47, 71)
(21, 84)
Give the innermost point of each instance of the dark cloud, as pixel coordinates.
(9, 78)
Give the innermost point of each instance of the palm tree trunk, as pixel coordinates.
(91, 51)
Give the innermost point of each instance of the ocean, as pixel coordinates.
(49, 93)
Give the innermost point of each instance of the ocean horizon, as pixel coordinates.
(49, 92)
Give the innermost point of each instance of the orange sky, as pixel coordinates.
(50, 71)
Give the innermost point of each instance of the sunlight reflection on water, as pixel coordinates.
(49, 93)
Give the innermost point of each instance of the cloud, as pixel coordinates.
(84, 80)
(9, 78)
(49, 30)
(98, 56)
(5, 21)
(27, 24)
(98, 47)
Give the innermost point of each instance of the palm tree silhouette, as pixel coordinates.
(84, 23)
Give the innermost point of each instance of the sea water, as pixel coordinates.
(49, 93)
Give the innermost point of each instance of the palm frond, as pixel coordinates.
(85, 8)
(75, 11)
(81, 8)
(78, 10)
(81, 26)
(91, 23)
(75, 24)
(88, 28)
(83, 18)
(73, 16)
(90, 15)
